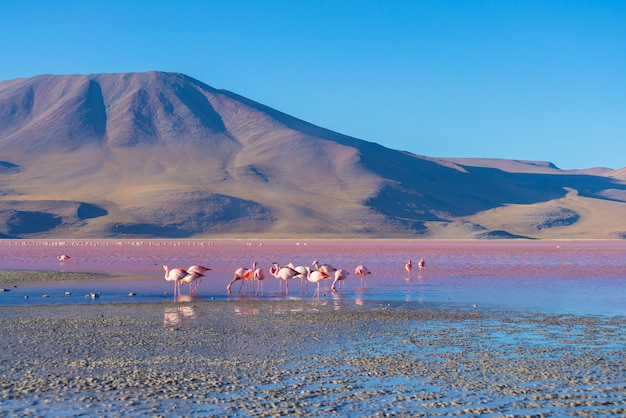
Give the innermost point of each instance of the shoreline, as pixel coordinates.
(297, 358)
(14, 277)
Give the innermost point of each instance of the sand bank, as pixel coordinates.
(10, 278)
(298, 358)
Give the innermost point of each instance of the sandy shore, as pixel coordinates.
(298, 358)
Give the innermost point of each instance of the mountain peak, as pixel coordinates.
(161, 154)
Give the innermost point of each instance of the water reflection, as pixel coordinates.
(246, 310)
(177, 315)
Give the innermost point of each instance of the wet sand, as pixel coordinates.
(301, 358)
(10, 278)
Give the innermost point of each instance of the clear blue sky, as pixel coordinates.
(533, 79)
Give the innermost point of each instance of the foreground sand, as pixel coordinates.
(298, 358)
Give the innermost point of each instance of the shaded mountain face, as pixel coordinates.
(163, 155)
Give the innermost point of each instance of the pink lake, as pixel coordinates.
(577, 277)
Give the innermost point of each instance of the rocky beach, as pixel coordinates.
(289, 358)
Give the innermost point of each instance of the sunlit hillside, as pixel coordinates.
(163, 155)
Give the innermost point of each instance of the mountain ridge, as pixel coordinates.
(165, 155)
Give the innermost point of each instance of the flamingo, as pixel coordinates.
(242, 274)
(363, 272)
(325, 268)
(196, 268)
(258, 276)
(302, 273)
(316, 276)
(63, 257)
(191, 278)
(408, 266)
(174, 275)
(285, 273)
(421, 264)
(340, 275)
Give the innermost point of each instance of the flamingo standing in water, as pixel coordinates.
(316, 276)
(174, 275)
(284, 273)
(196, 268)
(421, 264)
(340, 275)
(191, 278)
(63, 257)
(258, 276)
(242, 274)
(362, 272)
(302, 273)
(325, 268)
(408, 266)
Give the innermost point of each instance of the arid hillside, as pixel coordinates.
(163, 155)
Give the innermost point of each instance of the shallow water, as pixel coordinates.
(576, 277)
(496, 328)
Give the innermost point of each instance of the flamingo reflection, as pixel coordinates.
(175, 316)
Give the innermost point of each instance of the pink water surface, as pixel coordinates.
(580, 277)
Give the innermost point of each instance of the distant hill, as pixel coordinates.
(158, 154)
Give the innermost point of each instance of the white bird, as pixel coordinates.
(362, 272)
(325, 268)
(63, 257)
(196, 268)
(316, 276)
(302, 273)
(258, 276)
(340, 275)
(192, 277)
(174, 275)
(285, 273)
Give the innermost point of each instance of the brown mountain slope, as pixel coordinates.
(163, 155)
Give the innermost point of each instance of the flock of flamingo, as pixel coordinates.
(316, 274)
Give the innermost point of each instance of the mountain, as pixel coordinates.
(158, 154)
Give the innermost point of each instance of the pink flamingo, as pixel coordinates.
(285, 273)
(408, 266)
(196, 268)
(362, 272)
(421, 264)
(242, 274)
(174, 275)
(340, 275)
(63, 257)
(302, 273)
(191, 278)
(316, 276)
(258, 276)
(325, 268)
